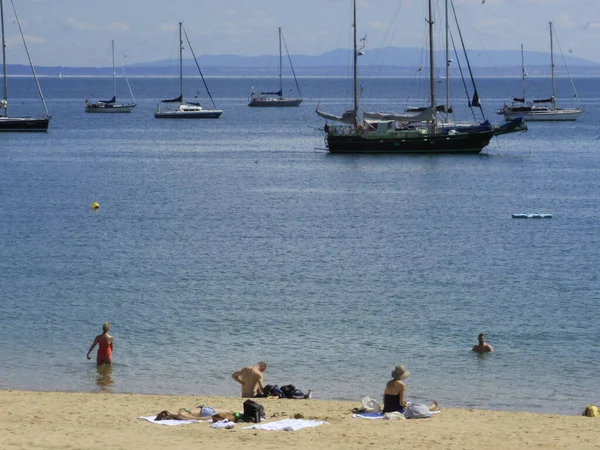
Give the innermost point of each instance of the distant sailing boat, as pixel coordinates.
(535, 110)
(8, 123)
(183, 109)
(111, 106)
(276, 99)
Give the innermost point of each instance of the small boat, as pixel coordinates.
(276, 99)
(532, 216)
(540, 109)
(111, 106)
(177, 108)
(11, 123)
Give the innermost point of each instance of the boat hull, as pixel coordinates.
(546, 116)
(439, 143)
(274, 102)
(93, 108)
(24, 124)
(207, 114)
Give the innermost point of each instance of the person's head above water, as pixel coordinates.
(481, 338)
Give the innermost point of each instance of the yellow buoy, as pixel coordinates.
(95, 206)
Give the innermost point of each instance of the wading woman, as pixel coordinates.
(105, 343)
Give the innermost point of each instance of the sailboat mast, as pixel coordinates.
(180, 62)
(431, 69)
(522, 73)
(447, 62)
(355, 73)
(280, 64)
(5, 93)
(552, 68)
(112, 43)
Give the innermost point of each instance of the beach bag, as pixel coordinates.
(591, 411)
(297, 394)
(273, 391)
(253, 412)
(288, 390)
(417, 411)
(370, 405)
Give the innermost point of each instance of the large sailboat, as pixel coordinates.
(276, 99)
(421, 131)
(541, 109)
(178, 108)
(111, 106)
(12, 123)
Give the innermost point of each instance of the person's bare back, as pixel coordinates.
(251, 379)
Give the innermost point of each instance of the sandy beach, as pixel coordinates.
(56, 420)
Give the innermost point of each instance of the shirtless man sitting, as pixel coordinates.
(251, 379)
(482, 346)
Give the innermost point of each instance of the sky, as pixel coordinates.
(79, 32)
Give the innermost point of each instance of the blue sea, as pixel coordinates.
(220, 243)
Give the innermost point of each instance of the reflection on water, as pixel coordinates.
(104, 379)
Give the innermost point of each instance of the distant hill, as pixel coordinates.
(391, 61)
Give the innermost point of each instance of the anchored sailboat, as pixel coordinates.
(420, 131)
(539, 110)
(111, 106)
(11, 123)
(276, 99)
(177, 108)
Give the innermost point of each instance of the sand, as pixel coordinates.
(57, 420)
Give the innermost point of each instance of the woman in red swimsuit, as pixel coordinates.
(105, 343)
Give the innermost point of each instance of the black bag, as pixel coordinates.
(253, 412)
(288, 390)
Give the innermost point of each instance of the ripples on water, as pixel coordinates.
(221, 243)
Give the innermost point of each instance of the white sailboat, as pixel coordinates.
(276, 99)
(11, 123)
(111, 106)
(542, 109)
(177, 108)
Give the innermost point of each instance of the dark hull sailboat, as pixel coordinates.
(409, 142)
(18, 124)
(417, 130)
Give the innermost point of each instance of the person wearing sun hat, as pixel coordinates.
(394, 395)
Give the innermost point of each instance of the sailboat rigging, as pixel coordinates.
(276, 99)
(419, 131)
(8, 123)
(111, 106)
(535, 109)
(183, 109)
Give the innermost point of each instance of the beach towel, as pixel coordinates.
(223, 424)
(368, 415)
(287, 425)
(170, 422)
(376, 415)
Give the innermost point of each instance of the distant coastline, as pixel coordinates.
(336, 63)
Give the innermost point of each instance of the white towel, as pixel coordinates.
(168, 422)
(287, 425)
(225, 423)
(369, 415)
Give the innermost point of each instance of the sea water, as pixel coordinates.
(220, 243)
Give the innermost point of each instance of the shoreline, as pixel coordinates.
(49, 420)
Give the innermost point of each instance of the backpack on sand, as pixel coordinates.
(253, 412)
